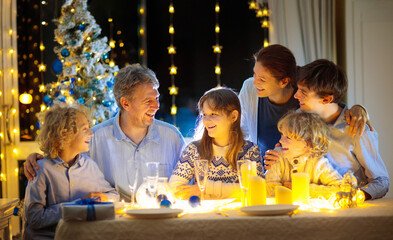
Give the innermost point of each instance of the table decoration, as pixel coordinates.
(194, 201)
(350, 195)
(165, 204)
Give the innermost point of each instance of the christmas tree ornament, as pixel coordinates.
(87, 55)
(82, 27)
(194, 201)
(57, 66)
(65, 52)
(81, 100)
(71, 91)
(165, 204)
(107, 103)
(105, 56)
(109, 84)
(47, 99)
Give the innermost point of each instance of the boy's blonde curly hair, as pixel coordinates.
(58, 126)
(308, 127)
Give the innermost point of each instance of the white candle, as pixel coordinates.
(283, 195)
(256, 191)
(300, 188)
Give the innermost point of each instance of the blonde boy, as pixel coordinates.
(304, 141)
(65, 174)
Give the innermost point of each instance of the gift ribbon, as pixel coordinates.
(91, 211)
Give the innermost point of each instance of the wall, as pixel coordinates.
(369, 39)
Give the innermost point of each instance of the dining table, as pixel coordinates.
(371, 220)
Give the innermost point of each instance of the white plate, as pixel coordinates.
(154, 212)
(268, 210)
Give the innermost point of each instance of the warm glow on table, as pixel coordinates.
(300, 187)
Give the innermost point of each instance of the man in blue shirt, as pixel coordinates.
(123, 144)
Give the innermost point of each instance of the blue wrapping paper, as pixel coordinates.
(89, 209)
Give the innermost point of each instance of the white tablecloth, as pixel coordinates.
(374, 220)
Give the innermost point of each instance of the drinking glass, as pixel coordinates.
(132, 187)
(152, 177)
(201, 170)
(244, 168)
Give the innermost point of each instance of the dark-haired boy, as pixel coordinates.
(321, 85)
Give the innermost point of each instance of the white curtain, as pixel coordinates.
(306, 27)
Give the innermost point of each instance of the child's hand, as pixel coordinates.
(288, 185)
(186, 191)
(103, 197)
(271, 157)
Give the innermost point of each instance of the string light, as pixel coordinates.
(25, 98)
(253, 5)
(262, 12)
(41, 67)
(112, 44)
(173, 70)
(217, 48)
(142, 30)
(171, 29)
(171, 50)
(173, 90)
(42, 47)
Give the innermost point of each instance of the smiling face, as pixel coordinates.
(217, 124)
(293, 148)
(309, 101)
(264, 82)
(81, 141)
(143, 106)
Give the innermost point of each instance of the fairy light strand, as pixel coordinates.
(173, 90)
(217, 48)
(262, 12)
(142, 53)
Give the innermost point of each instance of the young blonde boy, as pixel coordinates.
(65, 174)
(304, 142)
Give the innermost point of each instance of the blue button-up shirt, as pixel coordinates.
(119, 158)
(58, 183)
(360, 155)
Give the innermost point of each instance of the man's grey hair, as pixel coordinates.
(128, 78)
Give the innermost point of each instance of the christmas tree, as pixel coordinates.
(85, 73)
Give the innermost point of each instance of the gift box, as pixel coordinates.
(88, 210)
